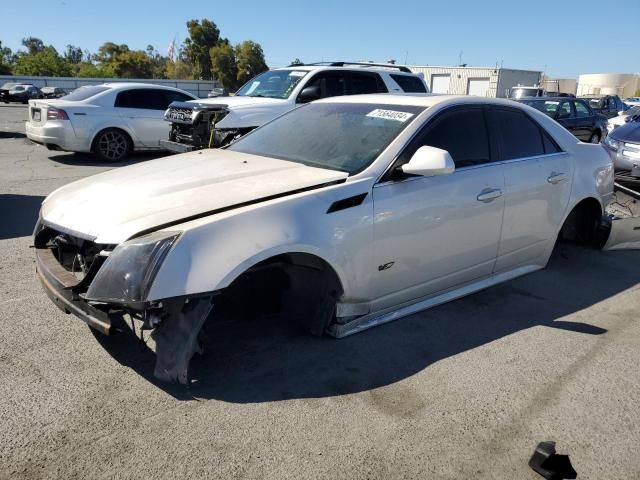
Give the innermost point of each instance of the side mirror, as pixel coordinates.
(309, 94)
(429, 162)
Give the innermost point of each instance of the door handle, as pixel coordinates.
(555, 178)
(489, 194)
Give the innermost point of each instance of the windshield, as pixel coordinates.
(593, 102)
(338, 136)
(272, 84)
(18, 89)
(550, 107)
(83, 93)
(524, 92)
(633, 111)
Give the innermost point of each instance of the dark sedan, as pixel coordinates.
(623, 145)
(21, 93)
(574, 115)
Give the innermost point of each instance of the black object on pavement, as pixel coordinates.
(549, 464)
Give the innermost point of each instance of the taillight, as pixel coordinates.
(56, 114)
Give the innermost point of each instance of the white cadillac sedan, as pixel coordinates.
(109, 120)
(344, 213)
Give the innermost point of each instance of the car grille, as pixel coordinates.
(181, 115)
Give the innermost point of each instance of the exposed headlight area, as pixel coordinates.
(127, 274)
(612, 144)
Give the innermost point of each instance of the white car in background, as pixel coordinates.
(633, 114)
(109, 120)
(632, 101)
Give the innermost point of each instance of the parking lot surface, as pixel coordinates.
(464, 390)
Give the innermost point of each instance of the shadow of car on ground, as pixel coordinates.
(90, 160)
(268, 359)
(19, 215)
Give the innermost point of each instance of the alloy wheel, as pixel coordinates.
(113, 145)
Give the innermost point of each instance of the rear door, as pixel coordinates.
(537, 187)
(142, 109)
(433, 233)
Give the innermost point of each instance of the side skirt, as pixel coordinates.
(379, 318)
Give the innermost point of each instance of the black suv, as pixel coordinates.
(574, 114)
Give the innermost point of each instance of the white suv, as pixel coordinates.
(216, 122)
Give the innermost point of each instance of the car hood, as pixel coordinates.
(629, 132)
(240, 101)
(113, 206)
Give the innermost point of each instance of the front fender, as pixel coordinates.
(213, 251)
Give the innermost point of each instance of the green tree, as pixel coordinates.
(73, 55)
(33, 45)
(296, 62)
(203, 36)
(250, 61)
(132, 64)
(108, 51)
(90, 70)
(46, 62)
(6, 60)
(224, 66)
(159, 63)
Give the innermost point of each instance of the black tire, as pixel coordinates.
(112, 145)
(595, 137)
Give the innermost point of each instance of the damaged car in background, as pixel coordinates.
(342, 214)
(218, 121)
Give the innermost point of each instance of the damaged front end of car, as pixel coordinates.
(102, 283)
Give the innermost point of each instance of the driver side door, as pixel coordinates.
(435, 233)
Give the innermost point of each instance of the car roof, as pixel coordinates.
(416, 99)
(127, 85)
(544, 99)
(348, 67)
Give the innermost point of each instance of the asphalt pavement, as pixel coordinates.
(462, 391)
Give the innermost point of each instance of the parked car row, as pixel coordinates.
(19, 92)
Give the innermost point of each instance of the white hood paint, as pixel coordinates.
(111, 207)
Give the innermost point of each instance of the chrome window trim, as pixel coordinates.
(475, 167)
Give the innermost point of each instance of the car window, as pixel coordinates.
(581, 110)
(272, 84)
(445, 132)
(172, 96)
(337, 136)
(331, 84)
(564, 111)
(83, 93)
(548, 107)
(144, 98)
(409, 84)
(365, 82)
(520, 136)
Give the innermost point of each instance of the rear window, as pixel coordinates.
(410, 84)
(83, 93)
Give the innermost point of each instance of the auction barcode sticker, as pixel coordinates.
(390, 115)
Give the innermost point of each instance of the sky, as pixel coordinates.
(563, 38)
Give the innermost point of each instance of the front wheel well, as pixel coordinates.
(301, 286)
(582, 225)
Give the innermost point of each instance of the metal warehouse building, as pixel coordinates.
(484, 82)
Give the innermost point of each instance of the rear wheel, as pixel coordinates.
(112, 145)
(595, 137)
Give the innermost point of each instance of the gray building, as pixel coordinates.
(483, 82)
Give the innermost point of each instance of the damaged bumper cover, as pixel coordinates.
(58, 285)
